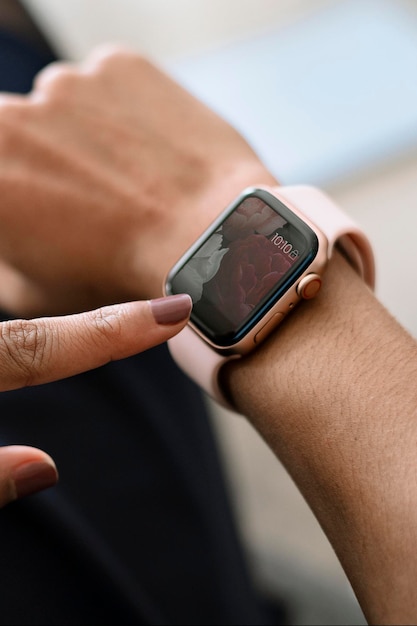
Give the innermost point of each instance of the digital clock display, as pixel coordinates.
(243, 266)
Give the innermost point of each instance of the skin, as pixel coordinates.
(332, 394)
(90, 145)
(126, 169)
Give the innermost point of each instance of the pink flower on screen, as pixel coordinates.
(249, 270)
(253, 215)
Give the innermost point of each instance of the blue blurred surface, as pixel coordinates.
(322, 98)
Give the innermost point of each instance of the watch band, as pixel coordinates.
(338, 227)
(198, 360)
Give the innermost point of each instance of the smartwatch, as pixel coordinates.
(267, 251)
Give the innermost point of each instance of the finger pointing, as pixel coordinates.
(42, 350)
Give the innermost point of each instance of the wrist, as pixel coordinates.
(293, 362)
(306, 390)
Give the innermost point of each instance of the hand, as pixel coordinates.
(109, 170)
(42, 350)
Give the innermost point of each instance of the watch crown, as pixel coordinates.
(309, 286)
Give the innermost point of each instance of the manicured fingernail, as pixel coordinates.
(171, 309)
(33, 477)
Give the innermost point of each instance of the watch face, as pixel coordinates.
(244, 264)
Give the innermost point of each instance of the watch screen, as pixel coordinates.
(244, 266)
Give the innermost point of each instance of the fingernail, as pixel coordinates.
(32, 477)
(171, 309)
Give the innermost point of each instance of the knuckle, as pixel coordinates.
(109, 55)
(56, 80)
(26, 349)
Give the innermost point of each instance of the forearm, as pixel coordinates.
(333, 393)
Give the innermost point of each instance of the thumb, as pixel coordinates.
(24, 471)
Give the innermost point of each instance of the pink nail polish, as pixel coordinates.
(33, 477)
(171, 309)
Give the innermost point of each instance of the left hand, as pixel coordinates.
(109, 170)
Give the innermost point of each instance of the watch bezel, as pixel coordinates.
(281, 300)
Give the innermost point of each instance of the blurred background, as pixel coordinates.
(326, 92)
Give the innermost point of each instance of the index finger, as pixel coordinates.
(47, 349)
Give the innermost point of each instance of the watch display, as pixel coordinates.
(252, 254)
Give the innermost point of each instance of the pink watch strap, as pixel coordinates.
(200, 362)
(338, 227)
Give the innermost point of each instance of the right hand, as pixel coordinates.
(37, 351)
